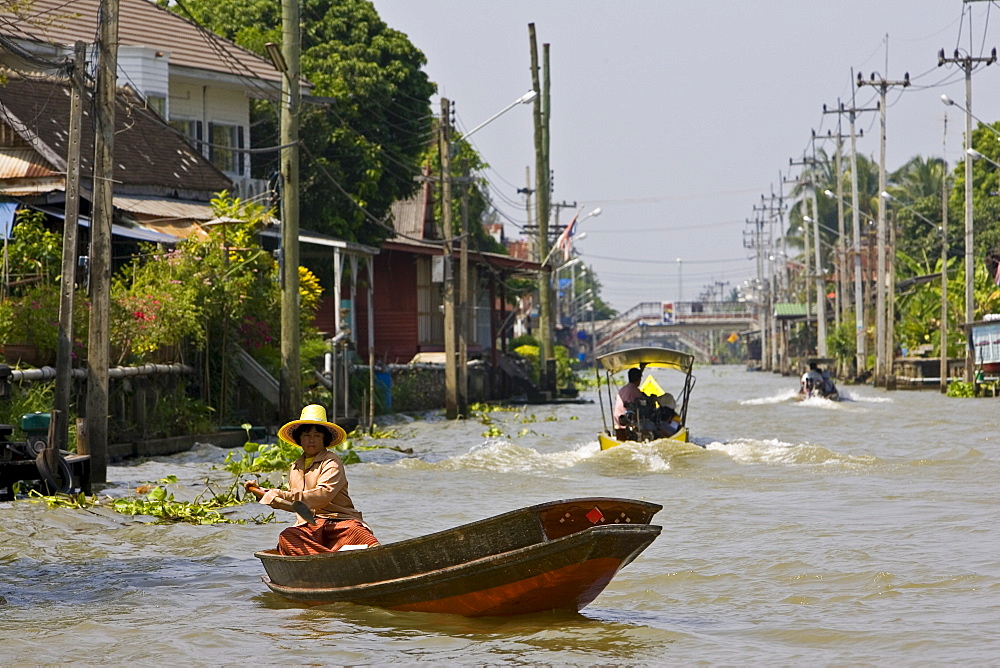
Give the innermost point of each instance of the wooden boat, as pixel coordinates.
(644, 358)
(552, 556)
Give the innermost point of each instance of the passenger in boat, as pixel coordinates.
(627, 395)
(645, 417)
(667, 411)
(316, 479)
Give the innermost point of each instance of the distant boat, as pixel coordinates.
(652, 410)
(817, 382)
(552, 556)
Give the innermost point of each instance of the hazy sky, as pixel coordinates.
(676, 116)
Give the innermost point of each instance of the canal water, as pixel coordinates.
(858, 532)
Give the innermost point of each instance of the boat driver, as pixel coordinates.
(812, 379)
(317, 479)
(627, 395)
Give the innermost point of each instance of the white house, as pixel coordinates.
(201, 83)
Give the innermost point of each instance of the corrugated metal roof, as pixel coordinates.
(24, 163)
(141, 23)
(793, 310)
(414, 217)
(156, 209)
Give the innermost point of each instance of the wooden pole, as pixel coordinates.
(290, 374)
(450, 369)
(464, 297)
(64, 348)
(98, 352)
(542, 176)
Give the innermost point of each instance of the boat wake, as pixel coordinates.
(781, 397)
(775, 452)
(844, 396)
(503, 456)
(821, 403)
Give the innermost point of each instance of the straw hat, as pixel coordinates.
(316, 415)
(668, 401)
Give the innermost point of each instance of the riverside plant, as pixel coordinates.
(155, 501)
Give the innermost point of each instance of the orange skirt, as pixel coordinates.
(325, 536)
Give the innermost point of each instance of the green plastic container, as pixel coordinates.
(35, 424)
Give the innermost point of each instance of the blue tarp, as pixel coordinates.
(7, 210)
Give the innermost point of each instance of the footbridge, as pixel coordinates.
(691, 326)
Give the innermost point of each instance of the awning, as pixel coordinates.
(135, 233)
(7, 210)
(164, 209)
(318, 239)
(139, 234)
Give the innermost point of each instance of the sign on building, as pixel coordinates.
(668, 313)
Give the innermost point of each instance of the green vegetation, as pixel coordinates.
(156, 501)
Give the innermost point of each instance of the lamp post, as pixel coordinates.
(967, 65)
(456, 394)
(680, 281)
(944, 284)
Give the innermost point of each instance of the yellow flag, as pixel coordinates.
(651, 387)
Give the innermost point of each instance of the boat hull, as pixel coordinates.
(607, 442)
(577, 548)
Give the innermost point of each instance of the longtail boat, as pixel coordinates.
(658, 415)
(552, 556)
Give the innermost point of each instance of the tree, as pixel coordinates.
(360, 153)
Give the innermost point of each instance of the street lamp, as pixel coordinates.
(976, 155)
(680, 281)
(969, 268)
(951, 103)
(455, 360)
(524, 99)
(944, 284)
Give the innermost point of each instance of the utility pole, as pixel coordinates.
(807, 181)
(859, 304)
(542, 196)
(754, 241)
(884, 348)
(840, 304)
(944, 258)
(450, 368)
(779, 338)
(102, 213)
(290, 376)
(464, 300)
(64, 348)
(968, 63)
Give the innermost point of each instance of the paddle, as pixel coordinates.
(302, 510)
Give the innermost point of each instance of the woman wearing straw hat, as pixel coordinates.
(329, 520)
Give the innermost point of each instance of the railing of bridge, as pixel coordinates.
(683, 313)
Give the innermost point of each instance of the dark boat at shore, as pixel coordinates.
(552, 556)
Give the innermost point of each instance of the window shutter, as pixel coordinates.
(199, 137)
(210, 138)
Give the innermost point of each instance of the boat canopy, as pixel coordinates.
(663, 358)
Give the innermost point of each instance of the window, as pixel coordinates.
(190, 129)
(158, 104)
(224, 139)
